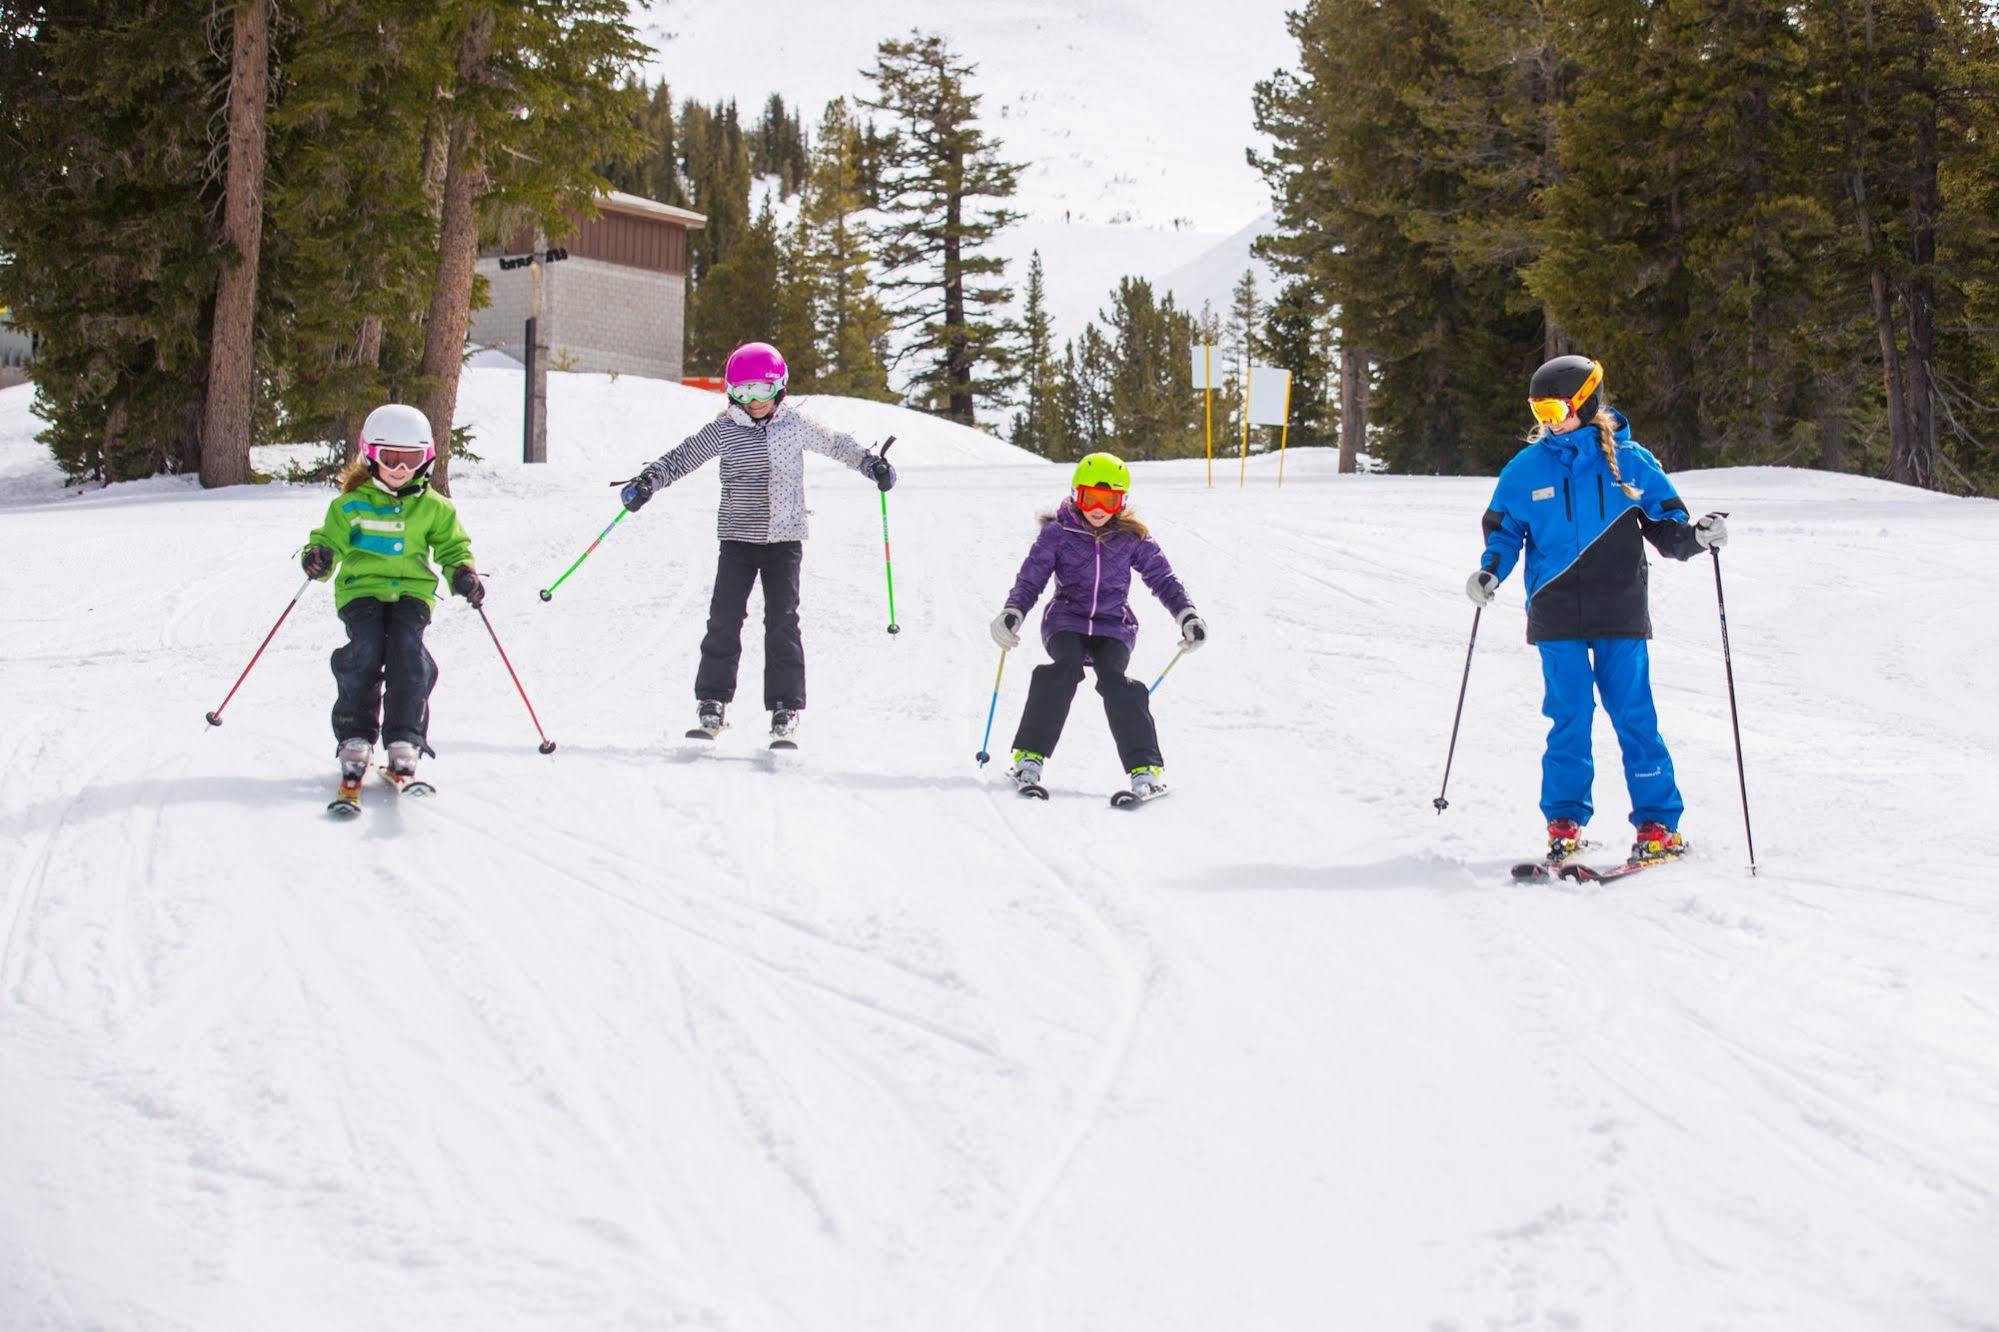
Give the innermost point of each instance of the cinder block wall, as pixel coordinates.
(595, 316)
(609, 317)
(503, 323)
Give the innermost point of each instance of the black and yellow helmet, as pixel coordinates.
(1563, 385)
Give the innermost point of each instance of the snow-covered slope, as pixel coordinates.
(634, 1036)
(1131, 119)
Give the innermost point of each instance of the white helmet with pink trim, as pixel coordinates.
(396, 435)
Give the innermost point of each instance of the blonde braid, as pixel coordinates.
(1606, 439)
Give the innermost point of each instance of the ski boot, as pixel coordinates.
(708, 720)
(1147, 783)
(783, 729)
(402, 758)
(1655, 841)
(1026, 774)
(355, 756)
(1565, 838)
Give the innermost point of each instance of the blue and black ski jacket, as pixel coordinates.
(1586, 567)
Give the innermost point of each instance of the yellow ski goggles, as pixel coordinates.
(1552, 412)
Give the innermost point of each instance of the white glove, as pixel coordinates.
(1193, 630)
(1006, 629)
(1481, 586)
(1712, 531)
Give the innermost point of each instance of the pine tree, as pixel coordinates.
(1294, 336)
(105, 255)
(537, 95)
(794, 301)
(350, 236)
(1038, 425)
(1085, 395)
(1152, 414)
(852, 330)
(939, 174)
(738, 296)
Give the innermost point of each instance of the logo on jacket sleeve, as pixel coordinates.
(1545, 492)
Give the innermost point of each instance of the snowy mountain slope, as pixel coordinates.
(1130, 119)
(633, 1036)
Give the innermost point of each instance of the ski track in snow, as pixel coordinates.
(652, 1033)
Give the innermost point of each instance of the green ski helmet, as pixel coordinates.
(1100, 482)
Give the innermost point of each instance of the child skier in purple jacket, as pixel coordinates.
(1091, 546)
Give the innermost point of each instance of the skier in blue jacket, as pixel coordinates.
(1584, 497)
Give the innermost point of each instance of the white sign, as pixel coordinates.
(1208, 366)
(1269, 395)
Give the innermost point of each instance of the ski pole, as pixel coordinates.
(547, 745)
(215, 717)
(548, 593)
(982, 756)
(888, 564)
(1441, 803)
(1169, 667)
(1728, 663)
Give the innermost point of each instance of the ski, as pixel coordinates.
(1576, 873)
(410, 786)
(1132, 799)
(1540, 871)
(346, 803)
(703, 733)
(1032, 790)
(783, 742)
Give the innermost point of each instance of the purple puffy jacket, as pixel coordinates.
(1092, 571)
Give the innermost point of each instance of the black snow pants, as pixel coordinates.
(737, 569)
(1127, 702)
(384, 654)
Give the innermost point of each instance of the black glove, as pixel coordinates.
(877, 469)
(465, 582)
(636, 491)
(317, 562)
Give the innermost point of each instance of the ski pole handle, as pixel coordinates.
(982, 756)
(215, 717)
(548, 593)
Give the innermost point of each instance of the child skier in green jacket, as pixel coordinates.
(378, 531)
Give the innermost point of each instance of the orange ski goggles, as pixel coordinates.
(1109, 499)
(1553, 411)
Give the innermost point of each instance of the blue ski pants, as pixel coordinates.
(1573, 672)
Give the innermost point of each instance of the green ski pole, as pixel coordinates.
(888, 562)
(548, 593)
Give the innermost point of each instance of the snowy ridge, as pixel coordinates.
(641, 1036)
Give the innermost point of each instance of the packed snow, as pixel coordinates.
(643, 1034)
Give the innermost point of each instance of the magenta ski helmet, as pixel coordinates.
(756, 372)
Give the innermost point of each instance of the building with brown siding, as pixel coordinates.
(617, 303)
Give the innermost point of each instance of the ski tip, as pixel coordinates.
(698, 734)
(1033, 792)
(1530, 871)
(344, 809)
(784, 744)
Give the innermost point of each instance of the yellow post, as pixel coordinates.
(1242, 477)
(1284, 435)
(1208, 401)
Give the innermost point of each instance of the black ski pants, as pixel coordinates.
(1127, 702)
(737, 569)
(384, 655)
